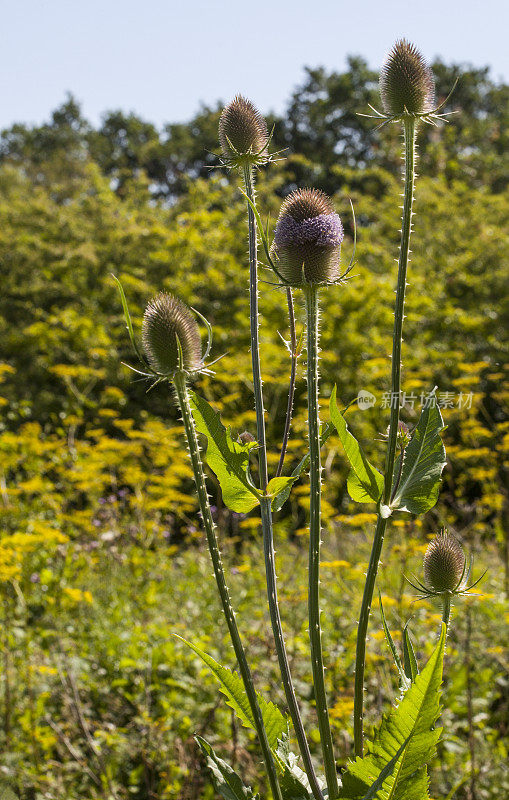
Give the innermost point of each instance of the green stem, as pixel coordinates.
(315, 530)
(208, 523)
(284, 667)
(397, 337)
(255, 341)
(291, 388)
(266, 513)
(446, 612)
(360, 658)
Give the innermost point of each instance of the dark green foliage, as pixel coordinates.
(365, 483)
(231, 685)
(417, 480)
(226, 780)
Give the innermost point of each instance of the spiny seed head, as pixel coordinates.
(242, 131)
(307, 240)
(166, 318)
(444, 563)
(406, 81)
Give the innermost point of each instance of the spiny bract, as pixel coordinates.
(166, 318)
(406, 81)
(444, 563)
(307, 240)
(242, 130)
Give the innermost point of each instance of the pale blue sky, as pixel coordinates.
(160, 58)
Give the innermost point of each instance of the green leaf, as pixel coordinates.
(423, 462)
(293, 781)
(232, 687)
(404, 742)
(226, 780)
(385, 773)
(228, 459)
(409, 659)
(405, 682)
(130, 330)
(365, 484)
(276, 487)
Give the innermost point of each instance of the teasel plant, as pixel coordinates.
(304, 256)
(172, 353)
(306, 250)
(245, 140)
(407, 91)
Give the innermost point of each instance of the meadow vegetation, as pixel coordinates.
(101, 554)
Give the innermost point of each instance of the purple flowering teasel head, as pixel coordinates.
(166, 318)
(307, 239)
(406, 81)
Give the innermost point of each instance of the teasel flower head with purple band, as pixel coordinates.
(307, 240)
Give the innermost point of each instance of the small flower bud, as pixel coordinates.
(165, 319)
(444, 563)
(403, 435)
(307, 240)
(243, 132)
(406, 81)
(246, 438)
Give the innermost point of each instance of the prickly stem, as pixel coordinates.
(315, 470)
(266, 513)
(409, 125)
(208, 523)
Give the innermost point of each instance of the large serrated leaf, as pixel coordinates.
(423, 462)
(293, 780)
(228, 459)
(365, 484)
(226, 780)
(403, 744)
(232, 687)
(292, 784)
